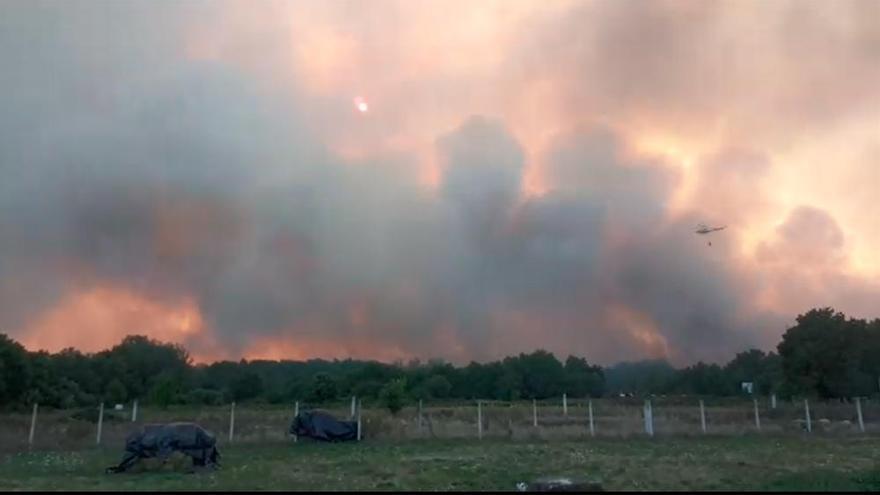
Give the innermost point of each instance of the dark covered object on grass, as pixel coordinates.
(323, 426)
(162, 440)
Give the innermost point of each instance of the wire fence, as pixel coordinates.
(550, 419)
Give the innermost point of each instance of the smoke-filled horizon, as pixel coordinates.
(436, 179)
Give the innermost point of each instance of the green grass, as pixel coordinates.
(714, 463)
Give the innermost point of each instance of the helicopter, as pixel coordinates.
(702, 229)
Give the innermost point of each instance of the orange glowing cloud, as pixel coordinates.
(640, 328)
(99, 318)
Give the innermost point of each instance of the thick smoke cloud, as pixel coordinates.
(805, 262)
(752, 71)
(224, 181)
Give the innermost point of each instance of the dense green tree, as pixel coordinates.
(822, 354)
(479, 380)
(44, 383)
(79, 368)
(509, 385)
(542, 374)
(116, 393)
(15, 370)
(204, 396)
(870, 358)
(437, 387)
(639, 378)
(165, 389)
(368, 389)
(70, 395)
(323, 388)
(137, 360)
(393, 395)
(701, 379)
(583, 380)
(247, 386)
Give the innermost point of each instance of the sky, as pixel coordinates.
(416, 179)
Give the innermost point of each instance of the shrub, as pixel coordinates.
(393, 395)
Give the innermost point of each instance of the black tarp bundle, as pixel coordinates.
(323, 426)
(162, 440)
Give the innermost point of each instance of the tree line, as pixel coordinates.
(825, 354)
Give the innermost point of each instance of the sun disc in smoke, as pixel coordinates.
(361, 104)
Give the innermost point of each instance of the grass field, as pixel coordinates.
(713, 463)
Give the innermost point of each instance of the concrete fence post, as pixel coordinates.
(100, 424)
(590, 410)
(353, 400)
(479, 420)
(359, 434)
(420, 416)
(757, 415)
(564, 405)
(33, 427)
(134, 411)
(649, 418)
(773, 401)
(859, 413)
(534, 413)
(231, 422)
(295, 414)
(807, 413)
(703, 416)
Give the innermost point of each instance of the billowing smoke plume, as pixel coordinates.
(219, 190)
